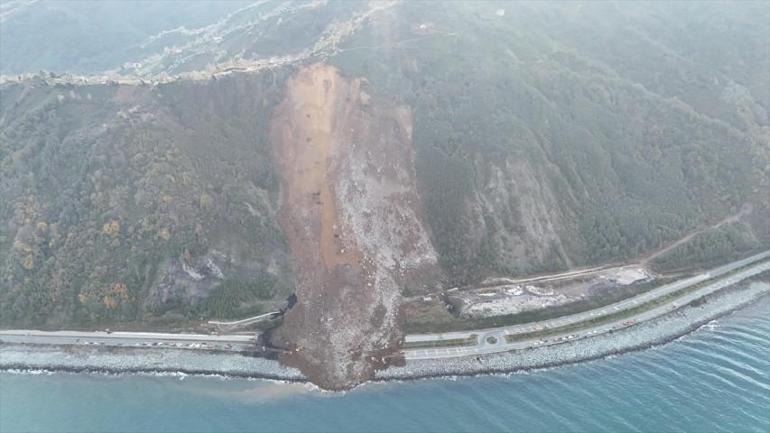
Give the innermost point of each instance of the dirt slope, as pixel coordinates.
(352, 217)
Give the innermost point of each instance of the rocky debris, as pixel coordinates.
(628, 275)
(512, 298)
(189, 279)
(186, 278)
(506, 299)
(352, 217)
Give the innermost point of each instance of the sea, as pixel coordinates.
(715, 379)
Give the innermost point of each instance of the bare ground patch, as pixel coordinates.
(351, 214)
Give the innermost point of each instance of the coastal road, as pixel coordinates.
(498, 342)
(487, 340)
(603, 311)
(233, 342)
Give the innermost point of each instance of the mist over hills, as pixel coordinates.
(484, 138)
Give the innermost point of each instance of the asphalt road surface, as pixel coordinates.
(488, 341)
(131, 339)
(498, 342)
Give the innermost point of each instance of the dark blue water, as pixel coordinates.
(717, 379)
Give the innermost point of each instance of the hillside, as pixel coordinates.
(538, 152)
(355, 154)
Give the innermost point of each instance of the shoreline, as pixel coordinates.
(462, 367)
(19, 358)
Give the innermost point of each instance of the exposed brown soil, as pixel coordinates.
(350, 212)
(307, 143)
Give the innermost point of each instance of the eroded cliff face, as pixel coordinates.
(520, 215)
(353, 220)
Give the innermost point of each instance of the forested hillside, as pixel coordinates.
(545, 136)
(557, 135)
(125, 200)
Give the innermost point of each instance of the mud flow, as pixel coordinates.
(350, 210)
